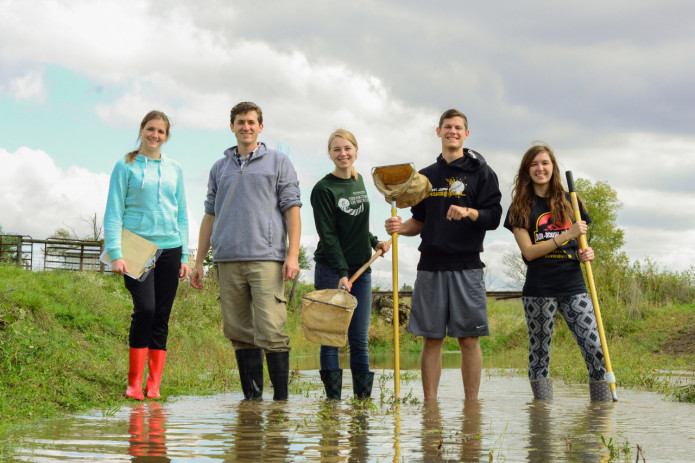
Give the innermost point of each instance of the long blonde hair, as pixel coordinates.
(148, 117)
(350, 138)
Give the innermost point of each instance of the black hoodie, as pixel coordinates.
(468, 182)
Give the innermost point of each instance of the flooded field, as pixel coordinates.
(504, 425)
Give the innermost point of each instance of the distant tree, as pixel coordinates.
(96, 232)
(602, 204)
(514, 268)
(406, 287)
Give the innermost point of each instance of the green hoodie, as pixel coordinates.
(341, 214)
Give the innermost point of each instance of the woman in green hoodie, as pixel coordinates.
(146, 197)
(341, 214)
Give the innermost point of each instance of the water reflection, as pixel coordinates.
(359, 433)
(147, 430)
(539, 430)
(505, 424)
(257, 432)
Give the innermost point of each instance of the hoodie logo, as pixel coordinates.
(344, 205)
(455, 187)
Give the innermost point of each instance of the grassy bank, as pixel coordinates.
(63, 343)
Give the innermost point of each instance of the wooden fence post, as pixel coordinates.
(19, 250)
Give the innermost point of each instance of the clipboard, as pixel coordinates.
(140, 255)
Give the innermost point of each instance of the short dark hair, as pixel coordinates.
(243, 108)
(449, 113)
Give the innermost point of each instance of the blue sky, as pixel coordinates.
(609, 86)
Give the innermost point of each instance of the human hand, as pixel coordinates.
(197, 277)
(185, 271)
(290, 268)
(578, 229)
(586, 255)
(457, 212)
(393, 225)
(344, 283)
(119, 266)
(384, 246)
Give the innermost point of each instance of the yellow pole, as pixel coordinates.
(397, 431)
(610, 376)
(396, 347)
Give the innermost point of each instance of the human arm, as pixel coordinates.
(182, 223)
(182, 217)
(330, 250)
(460, 212)
(532, 251)
(113, 216)
(486, 210)
(290, 268)
(203, 246)
(410, 227)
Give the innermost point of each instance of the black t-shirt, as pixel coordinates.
(558, 273)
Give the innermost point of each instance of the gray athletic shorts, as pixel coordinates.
(449, 303)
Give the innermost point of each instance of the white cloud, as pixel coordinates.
(29, 87)
(38, 197)
(598, 90)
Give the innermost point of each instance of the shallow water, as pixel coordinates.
(505, 425)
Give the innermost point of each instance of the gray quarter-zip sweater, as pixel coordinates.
(249, 205)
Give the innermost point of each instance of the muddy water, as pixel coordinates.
(504, 425)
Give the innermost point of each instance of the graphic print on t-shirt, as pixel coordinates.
(547, 229)
(455, 187)
(354, 204)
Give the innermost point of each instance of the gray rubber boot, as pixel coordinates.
(542, 388)
(332, 382)
(600, 391)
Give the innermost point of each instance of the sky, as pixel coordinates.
(608, 85)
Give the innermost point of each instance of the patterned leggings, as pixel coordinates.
(578, 312)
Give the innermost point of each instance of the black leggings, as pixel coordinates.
(152, 301)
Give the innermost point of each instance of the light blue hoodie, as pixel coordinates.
(147, 197)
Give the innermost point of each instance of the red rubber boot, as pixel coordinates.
(155, 363)
(137, 365)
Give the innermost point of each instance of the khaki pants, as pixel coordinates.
(253, 305)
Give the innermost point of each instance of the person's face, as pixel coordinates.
(453, 133)
(246, 128)
(154, 134)
(342, 152)
(541, 169)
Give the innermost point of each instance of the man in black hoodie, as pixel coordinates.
(449, 297)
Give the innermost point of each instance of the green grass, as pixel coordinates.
(63, 344)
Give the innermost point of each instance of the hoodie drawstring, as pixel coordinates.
(159, 184)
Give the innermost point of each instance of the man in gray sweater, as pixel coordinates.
(251, 209)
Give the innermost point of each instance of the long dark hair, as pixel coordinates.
(524, 196)
(148, 117)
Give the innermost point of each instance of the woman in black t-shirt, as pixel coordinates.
(540, 217)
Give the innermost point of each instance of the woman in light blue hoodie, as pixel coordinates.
(146, 196)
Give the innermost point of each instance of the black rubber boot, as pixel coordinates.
(362, 382)
(542, 388)
(600, 391)
(250, 362)
(279, 372)
(332, 382)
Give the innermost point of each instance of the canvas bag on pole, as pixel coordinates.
(402, 186)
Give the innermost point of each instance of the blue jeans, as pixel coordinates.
(326, 277)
